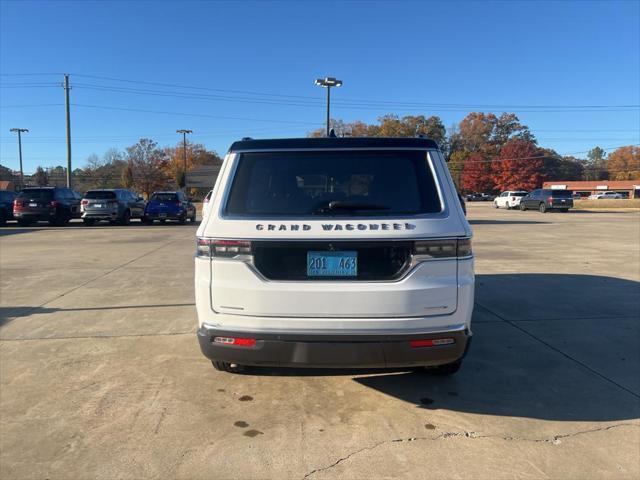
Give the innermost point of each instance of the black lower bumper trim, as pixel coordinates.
(349, 351)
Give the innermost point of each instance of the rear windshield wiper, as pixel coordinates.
(336, 206)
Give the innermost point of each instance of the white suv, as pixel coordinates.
(605, 195)
(334, 252)
(509, 199)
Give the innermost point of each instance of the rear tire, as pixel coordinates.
(445, 370)
(542, 208)
(495, 204)
(193, 218)
(522, 207)
(126, 218)
(182, 220)
(227, 367)
(60, 221)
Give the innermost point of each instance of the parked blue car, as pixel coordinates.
(163, 206)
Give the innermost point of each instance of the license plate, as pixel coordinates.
(33, 204)
(332, 264)
(97, 205)
(162, 215)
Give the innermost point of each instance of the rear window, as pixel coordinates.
(561, 193)
(164, 197)
(36, 193)
(328, 183)
(99, 195)
(518, 194)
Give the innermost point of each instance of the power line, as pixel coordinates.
(369, 102)
(33, 105)
(29, 74)
(195, 115)
(314, 102)
(354, 102)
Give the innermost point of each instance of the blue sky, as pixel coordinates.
(450, 57)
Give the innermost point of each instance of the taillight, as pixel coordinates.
(54, 203)
(179, 204)
(212, 247)
(447, 248)
(84, 202)
(550, 199)
(513, 199)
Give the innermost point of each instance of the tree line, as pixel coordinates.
(485, 153)
(490, 153)
(144, 167)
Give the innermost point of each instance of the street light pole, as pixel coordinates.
(184, 151)
(327, 83)
(67, 88)
(20, 131)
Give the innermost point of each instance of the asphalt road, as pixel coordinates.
(101, 375)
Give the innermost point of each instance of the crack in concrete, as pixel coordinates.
(555, 440)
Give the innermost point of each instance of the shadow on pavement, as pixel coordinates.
(578, 363)
(505, 222)
(8, 314)
(15, 229)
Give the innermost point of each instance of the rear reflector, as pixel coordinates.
(435, 342)
(239, 342)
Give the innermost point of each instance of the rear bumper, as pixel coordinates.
(332, 351)
(165, 215)
(41, 215)
(99, 215)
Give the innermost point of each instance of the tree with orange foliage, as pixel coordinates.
(624, 163)
(519, 165)
(197, 155)
(476, 174)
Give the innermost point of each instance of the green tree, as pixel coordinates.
(126, 177)
(41, 178)
(456, 166)
(596, 167)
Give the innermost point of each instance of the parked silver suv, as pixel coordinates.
(115, 205)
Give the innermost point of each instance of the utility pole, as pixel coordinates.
(20, 131)
(66, 102)
(327, 83)
(184, 151)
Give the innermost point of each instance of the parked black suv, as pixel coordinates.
(58, 205)
(545, 199)
(6, 205)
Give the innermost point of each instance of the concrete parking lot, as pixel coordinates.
(101, 375)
